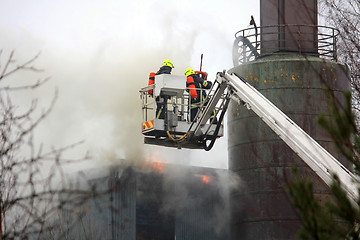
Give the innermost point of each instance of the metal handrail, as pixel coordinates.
(149, 103)
(247, 45)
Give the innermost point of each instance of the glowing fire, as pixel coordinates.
(204, 178)
(155, 162)
(158, 166)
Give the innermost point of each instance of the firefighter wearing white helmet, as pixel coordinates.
(196, 87)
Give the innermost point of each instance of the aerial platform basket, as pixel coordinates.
(174, 128)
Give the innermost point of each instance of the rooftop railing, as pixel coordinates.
(253, 43)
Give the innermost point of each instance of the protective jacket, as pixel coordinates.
(195, 86)
(164, 70)
(161, 101)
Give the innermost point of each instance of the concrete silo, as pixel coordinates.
(291, 61)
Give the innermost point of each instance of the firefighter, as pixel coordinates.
(195, 85)
(166, 67)
(160, 100)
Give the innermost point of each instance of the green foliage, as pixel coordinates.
(338, 217)
(344, 209)
(342, 129)
(317, 222)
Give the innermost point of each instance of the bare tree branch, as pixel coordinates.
(25, 66)
(30, 196)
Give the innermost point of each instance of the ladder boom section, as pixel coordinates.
(211, 102)
(314, 155)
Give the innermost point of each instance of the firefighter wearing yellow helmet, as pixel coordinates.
(166, 68)
(167, 62)
(196, 86)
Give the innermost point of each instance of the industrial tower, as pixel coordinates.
(291, 61)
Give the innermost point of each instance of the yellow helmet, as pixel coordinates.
(167, 62)
(189, 71)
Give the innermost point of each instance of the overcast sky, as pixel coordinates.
(99, 54)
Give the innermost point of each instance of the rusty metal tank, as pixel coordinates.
(295, 80)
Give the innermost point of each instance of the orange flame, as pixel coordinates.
(158, 166)
(155, 162)
(206, 179)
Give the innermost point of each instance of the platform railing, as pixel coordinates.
(180, 105)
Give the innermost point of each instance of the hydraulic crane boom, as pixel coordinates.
(312, 153)
(172, 132)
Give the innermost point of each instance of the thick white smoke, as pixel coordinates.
(99, 56)
(99, 89)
